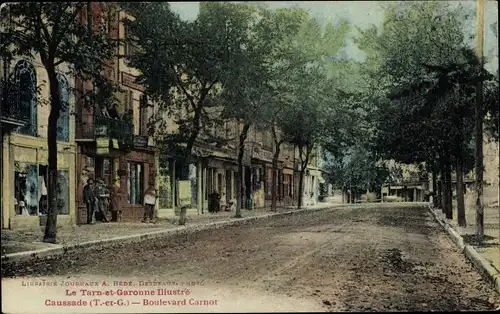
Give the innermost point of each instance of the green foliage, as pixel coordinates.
(184, 64)
(359, 170)
(491, 106)
(425, 80)
(54, 32)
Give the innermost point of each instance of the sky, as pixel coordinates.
(364, 14)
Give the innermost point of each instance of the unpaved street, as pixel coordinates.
(379, 257)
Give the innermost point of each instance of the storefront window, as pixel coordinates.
(31, 194)
(63, 121)
(135, 183)
(269, 182)
(26, 189)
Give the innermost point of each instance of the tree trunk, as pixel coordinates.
(478, 169)
(55, 107)
(274, 179)
(301, 188)
(449, 193)
(240, 177)
(303, 166)
(434, 190)
(478, 131)
(195, 131)
(460, 195)
(444, 195)
(439, 200)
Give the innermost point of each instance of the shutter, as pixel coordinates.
(143, 115)
(123, 99)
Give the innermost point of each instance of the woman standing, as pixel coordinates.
(149, 205)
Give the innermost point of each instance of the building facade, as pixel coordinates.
(24, 115)
(116, 149)
(411, 185)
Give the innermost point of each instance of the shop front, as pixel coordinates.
(133, 171)
(25, 178)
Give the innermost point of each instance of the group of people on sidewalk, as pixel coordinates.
(101, 199)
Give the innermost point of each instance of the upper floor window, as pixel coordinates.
(130, 47)
(25, 95)
(63, 121)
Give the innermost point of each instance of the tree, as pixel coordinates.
(184, 64)
(57, 33)
(420, 117)
(316, 113)
(358, 171)
(253, 94)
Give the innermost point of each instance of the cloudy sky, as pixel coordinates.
(363, 14)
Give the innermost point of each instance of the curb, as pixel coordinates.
(49, 253)
(482, 265)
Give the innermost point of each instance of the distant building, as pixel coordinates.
(410, 185)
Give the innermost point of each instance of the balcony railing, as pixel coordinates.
(96, 126)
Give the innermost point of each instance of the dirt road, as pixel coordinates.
(383, 257)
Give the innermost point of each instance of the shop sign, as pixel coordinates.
(184, 188)
(262, 154)
(141, 141)
(129, 81)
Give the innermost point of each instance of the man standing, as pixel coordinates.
(90, 200)
(102, 195)
(115, 202)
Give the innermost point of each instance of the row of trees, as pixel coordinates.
(270, 69)
(279, 70)
(422, 82)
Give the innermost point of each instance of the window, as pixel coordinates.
(130, 48)
(219, 183)
(269, 182)
(25, 95)
(63, 121)
(30, 190)
(135, 184)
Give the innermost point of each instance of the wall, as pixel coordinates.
(18, 148)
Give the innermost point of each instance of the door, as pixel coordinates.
(228, 186)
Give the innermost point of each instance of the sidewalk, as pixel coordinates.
(17, 241)
(490, 250)
(485, 256)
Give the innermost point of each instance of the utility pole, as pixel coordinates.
(479, 124)
(498, 130)
(3, 90)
